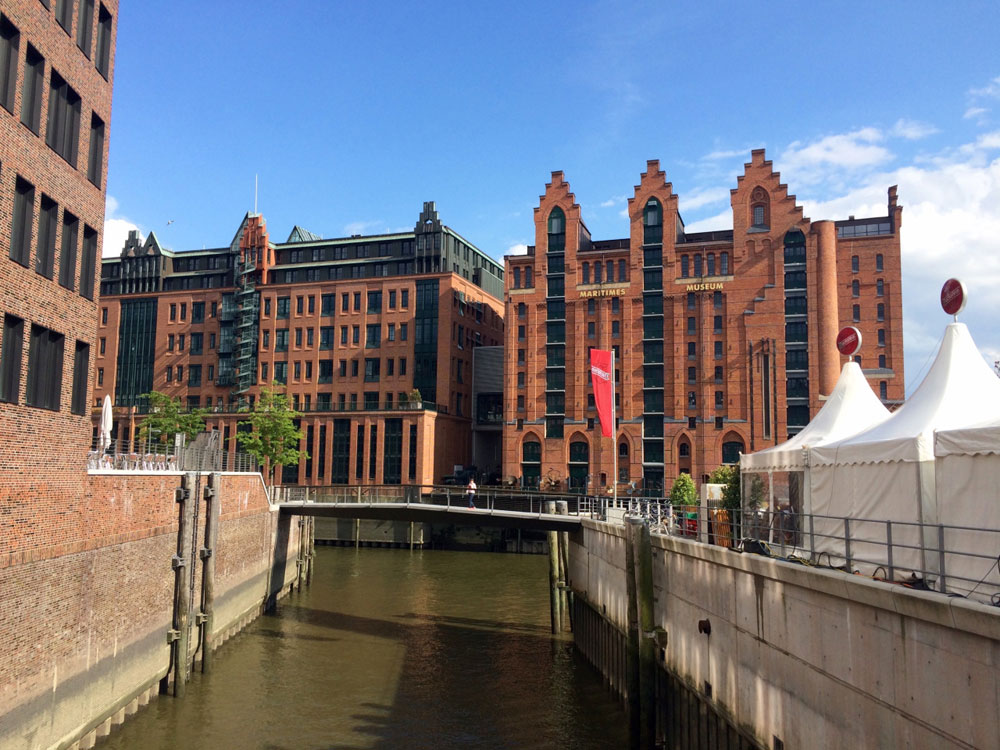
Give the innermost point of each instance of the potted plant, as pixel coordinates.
(414, 399)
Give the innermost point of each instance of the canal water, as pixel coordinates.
(395, 649)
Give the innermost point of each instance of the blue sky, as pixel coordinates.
(352, 115)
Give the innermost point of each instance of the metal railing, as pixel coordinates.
(127, 455)
(949, 559)
(447, 496)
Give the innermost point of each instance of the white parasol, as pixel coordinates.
(104, 438)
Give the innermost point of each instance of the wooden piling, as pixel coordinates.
(632, 632)
(647, 642)
(555, 600)
(179, 632)
(207, 619)
(562, 508)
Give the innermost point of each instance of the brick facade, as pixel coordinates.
(725, 341)
(344, 337)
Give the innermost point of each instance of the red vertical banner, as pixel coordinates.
(602, 377)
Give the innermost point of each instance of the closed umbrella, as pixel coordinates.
(106, 421)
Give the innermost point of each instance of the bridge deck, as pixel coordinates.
(429, 513)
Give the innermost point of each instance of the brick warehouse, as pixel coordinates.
(351, 326)
(724, 341)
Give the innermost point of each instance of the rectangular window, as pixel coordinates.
(402, 365)
(373, 336)
(343, 335)
(194, 376)
(879, 263)
(880, 312)
(372, 370)
(31, 90)
(284, 307)
(103, 55)
(356, 334)
(88, 262)
(328, 303)
(10, 41)
(180, 372)
(374, 302)
(45, 366)
(62, 133)
(197, 343)
(354, 368)
(326, 337)
(100, 376)
(85, 27)
(404, 298)
(718, 349)
(184, 310)
(263, 372)
(856, 313)
(357, 302)
(881, 337)
(281, 340)
(403, 331)
(45, 250)
(392, 299)
(64, 14)
(281, 372)
(180, 343)
(312, 305)
(24, 216)
(390, 332)
(298, 337)
(170, 342)
(10, 358)
(67, 254)
(197, 312)
(95, 159)
(299, 305)
(372, 445)
(344, 302)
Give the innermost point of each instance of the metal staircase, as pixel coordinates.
(248, 303)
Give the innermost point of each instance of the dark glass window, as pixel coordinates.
(103, 57)
(45, 366)
(879, 263)
(284, 307)
(62, 132)
(10, 358)
(855, 264)
(880, 288)
(95, 159)
(880, 311)
(31, 90)
(855, 288)
(45, 251)
(85, 27)
(88, 262)
(856, 313)
(652, 223)
(24, 216)
(197, 314)
(10, 39)
(557, 230)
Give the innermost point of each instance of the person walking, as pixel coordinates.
(470, 493)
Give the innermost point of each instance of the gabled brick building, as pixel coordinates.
(350, 325)
(724, 340)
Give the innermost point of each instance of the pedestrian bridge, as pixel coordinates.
(515, 509)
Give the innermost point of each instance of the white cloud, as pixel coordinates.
(974, 112)
(990, 91)
(856, 150)
(518, 248)
(613, 201)
(116, 229)
(624, 213)
(362, 227)
(912, 130)
(715, 223)
(704, 197)
(723, 154)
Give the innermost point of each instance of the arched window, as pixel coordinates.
(855, 288)
(731, 449)
(622, 450)
(879, 288)
(586, 274)
(579, 452)
(531, 463)
(724, 264)
(652, 223)
(597, 273)
(609, 271)
(531, 451)
(579, 465)
(684, 266)
(710, 259)
(557, 230)
(697, 266)
(759, 209)
(684, 449)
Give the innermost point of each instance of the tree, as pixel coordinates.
(682, 492)
(274, 439)
(167, 418)
(729, 477)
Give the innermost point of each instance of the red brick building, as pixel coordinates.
(350, 325)
(56, 71)
(724, 340)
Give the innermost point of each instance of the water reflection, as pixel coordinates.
(396, 649)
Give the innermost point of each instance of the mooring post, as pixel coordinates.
(311, 552)
(207, 616)
(411, 536)
(357, 533)
(178, 635)
(647, 636)
(632, 688)
(562, 509)
(554, 596)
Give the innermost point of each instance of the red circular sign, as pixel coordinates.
(953, 296)
(849, 341)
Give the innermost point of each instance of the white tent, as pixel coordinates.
(967, 474)
(850, 408)
(886, 473)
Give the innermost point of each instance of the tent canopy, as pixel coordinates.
(960, 390)
(851, 408)
(981, 439)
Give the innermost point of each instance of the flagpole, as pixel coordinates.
(614, 436)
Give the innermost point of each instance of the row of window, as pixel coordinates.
(879, 312)
(708, 268)
(62, 130)
(306, 304)
(303, 370)
(607, 270)
(85, 30)
(305, 337)
(53, 231)
(879, 288)
(197, 311)
(856, 263)
(43, 388)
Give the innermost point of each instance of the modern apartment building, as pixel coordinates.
(724, 340)
(350, 326)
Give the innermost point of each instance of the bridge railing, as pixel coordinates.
(951, 559)
(449, 496)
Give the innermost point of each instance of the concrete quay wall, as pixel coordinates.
(85, 617)
(812, 657)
